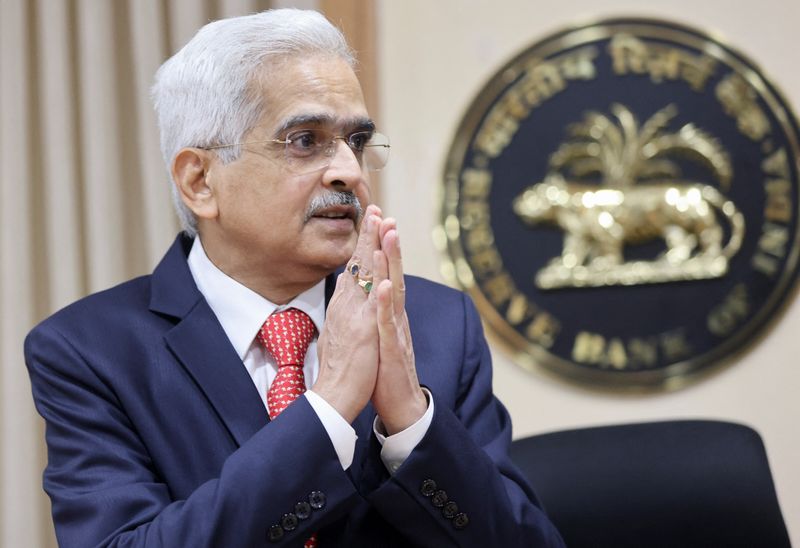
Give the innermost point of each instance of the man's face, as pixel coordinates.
(263, 201)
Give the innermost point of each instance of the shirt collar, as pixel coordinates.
(240, 310)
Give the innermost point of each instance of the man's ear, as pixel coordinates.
(190, 171)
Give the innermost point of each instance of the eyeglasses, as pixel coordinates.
(308, 150)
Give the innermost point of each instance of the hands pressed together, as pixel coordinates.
(365, 350)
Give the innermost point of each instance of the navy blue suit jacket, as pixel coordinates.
(157, 436)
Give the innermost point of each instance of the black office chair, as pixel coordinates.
(679, 484)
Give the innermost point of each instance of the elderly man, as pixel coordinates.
(242, 395)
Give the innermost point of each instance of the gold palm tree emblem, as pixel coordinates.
(623, 153)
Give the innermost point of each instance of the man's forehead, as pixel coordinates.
(312, 91)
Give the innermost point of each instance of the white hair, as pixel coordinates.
(203, 95)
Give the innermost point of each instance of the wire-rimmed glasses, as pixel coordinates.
(308, 150)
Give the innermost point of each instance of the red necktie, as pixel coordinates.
(286, 336)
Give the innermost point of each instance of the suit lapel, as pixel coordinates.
(200, 345)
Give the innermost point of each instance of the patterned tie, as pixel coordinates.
(286, 336)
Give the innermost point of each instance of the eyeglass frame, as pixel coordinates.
(328, 151)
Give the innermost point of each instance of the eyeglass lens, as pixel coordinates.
(312, 149)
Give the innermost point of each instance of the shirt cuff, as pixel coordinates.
(398, 447)
(342, 435)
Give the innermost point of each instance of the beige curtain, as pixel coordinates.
(84, 199)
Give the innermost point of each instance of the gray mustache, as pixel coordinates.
(345, 198)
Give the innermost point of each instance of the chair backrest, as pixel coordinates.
(678, 484)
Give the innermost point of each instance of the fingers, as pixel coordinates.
(377, 256)
(368, 237)
(385, 312)
(397, 397)
(368, 240)
(390, 244)
(387, 224)
(372, 209)
(380, 270)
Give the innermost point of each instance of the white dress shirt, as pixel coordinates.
(242, 312)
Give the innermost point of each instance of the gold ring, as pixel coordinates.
(354, 268)
(366, 285)
(358, 271)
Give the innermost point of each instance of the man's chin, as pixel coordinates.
(332, 261)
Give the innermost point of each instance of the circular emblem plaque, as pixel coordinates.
(621, 200)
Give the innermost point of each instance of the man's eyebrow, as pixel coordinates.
(360, 123)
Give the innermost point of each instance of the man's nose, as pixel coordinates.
(345, 169)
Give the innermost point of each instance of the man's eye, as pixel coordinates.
(303, 141)
(358, 141)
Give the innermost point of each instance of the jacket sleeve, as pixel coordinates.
(458, 487)
(106, 491)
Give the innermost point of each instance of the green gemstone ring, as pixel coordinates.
(366, 285)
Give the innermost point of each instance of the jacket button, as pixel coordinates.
(450, 510)
(428, 487)
(302, 510)
(275, 533)
(289, 522)
(317, 500)
(439, 498)
(460, 521)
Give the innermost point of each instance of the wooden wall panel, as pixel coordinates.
(357, 19)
